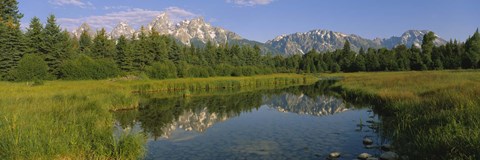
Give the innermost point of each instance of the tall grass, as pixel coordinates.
(430, 115)
(73, 119)
(205, 84)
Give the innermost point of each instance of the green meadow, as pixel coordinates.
(430, 114)
(74, 120)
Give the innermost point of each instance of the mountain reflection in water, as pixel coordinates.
(160, 118)
(302, 122)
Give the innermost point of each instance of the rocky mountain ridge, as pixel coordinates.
(325, 40)
(185, 31)
(198, 32)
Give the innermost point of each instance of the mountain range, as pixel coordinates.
(325, 40)
(198, 32)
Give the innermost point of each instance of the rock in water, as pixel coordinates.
(386, 147)
(334, 155)
(389, 156)
(371, 146)
(364, 156)
(367, 141)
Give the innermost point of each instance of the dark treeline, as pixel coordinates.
(48, 52)
(453, 55)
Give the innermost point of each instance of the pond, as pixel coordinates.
(303, 122)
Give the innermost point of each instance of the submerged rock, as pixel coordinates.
(373, 126)
(389, 156)
(364, 156)
(386, 147)
(367, 141)
(334, 155)
(371, 146)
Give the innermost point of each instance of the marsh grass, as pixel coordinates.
(430, 115)
(73, 119)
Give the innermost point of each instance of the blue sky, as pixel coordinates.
(262, 20)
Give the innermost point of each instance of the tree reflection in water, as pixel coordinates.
(159, 118)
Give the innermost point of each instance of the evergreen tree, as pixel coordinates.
(308, 63)
(438, 57)
(335, 68)
(402, 56)
(416, 62)
(85, 43)
(174, 53)
(210, 53)
(388, 60)
(34, 37)
(361, 51)
(453, 57)
(359, 63)
(9, 11)
(124, 55)
(67, 46)
(140, 46)
(427, 48)
(102, 46)
(12, 47)
(52, 47)
(372, 60)
(157, 47)
(347, 57)
(472, 47)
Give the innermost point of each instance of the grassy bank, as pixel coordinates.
(430, 115)
(72, 119)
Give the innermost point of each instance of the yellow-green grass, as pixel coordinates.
(73, 119)
(430, 115)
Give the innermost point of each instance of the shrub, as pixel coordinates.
(224, 70)
(183, 69)
(199, 71)
(31, 67)
(248, 70)
(163, 70)
(335, 68)
(236, 72)
(84, 67)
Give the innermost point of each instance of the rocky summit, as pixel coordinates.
(122, 29)
(84, 27)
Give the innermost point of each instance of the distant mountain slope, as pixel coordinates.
(195, 31)
(325, 40)
(409, 38)
(198, 32)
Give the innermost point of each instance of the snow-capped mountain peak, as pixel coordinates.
(187, 31)
(162, 24)
(81, 29)
(325, 40)
(122, 29)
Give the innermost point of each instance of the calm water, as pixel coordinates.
(293, 123)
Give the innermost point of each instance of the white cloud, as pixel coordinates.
(115, 7)
(135, 17)
(178, 14)
(77, 3)
(250, 2)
